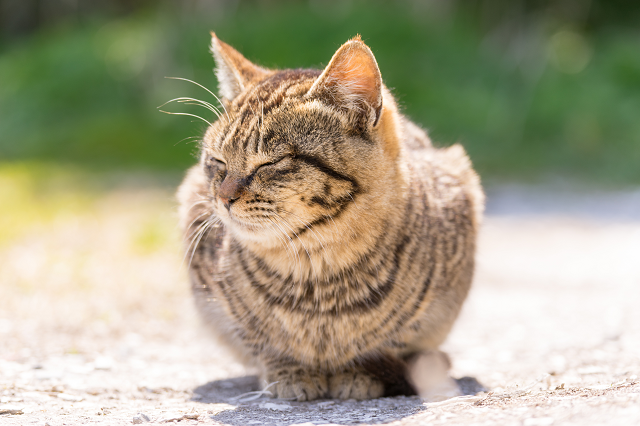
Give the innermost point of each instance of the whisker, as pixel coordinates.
(286, 223)
(197, 241)
(197, 139)
(191, 224)
(207, 230)
(184, 113)
(193, 101)
(210, 92)
(315, 234)
(194, 232)
(201, 105)
(287, 201)
(300, 278)
(282, 239)
(354, 201)
(293, 248)
(196, 203)
(193, 236)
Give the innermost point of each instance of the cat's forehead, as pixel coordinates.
(269, 116)
(276, 88)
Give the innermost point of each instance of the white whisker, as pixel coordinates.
(206, 231)
(193, 101)
(184, 113)
(210, 92)
(286, 223)
(283, 240)
(197, 139)
(315, 234)
(290, 241)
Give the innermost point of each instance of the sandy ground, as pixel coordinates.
(97, 327)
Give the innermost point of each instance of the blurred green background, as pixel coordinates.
(533, 89)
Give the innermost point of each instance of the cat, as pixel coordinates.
(329, 241)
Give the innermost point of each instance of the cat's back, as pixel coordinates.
(445, 175)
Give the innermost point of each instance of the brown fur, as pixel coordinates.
(329, 241)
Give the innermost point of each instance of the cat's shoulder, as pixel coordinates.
(448, 170)
(413, 136)
(423, 154)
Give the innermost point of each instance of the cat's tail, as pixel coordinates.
(392, 371)
(423, 373)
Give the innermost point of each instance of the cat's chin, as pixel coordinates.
(252, 233)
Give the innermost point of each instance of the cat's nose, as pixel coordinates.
(227, 201)
(230, 191)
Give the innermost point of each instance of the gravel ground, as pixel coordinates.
(97, 327)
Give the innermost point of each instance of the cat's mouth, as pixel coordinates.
(243, 223)
(237, 217)
(257, 231)
(267, 227)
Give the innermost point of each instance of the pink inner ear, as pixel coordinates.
(355, 75)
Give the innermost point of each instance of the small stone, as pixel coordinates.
(11, 411)
(68, 397)
(140, 418)
(172, 418)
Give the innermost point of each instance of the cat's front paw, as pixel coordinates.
(298, 383)
(354, 384)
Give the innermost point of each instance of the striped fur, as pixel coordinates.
(328, 239)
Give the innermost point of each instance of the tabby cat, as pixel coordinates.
(329, 241)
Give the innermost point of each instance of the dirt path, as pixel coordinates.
(96, 326)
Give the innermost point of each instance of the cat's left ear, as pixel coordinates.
(353, 80)
(234, 71)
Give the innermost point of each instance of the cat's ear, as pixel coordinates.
(352, 79)
(233, 70)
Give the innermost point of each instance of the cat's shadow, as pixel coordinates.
(238, 406)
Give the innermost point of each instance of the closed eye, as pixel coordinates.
(214, 165)
(219, 163)
(271, 163)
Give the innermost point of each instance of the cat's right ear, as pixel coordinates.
(352, 79)
(233, 70)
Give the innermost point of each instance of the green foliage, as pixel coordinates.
(546, 99)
